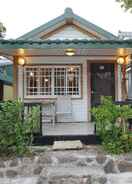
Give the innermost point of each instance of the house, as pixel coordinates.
(6, 79)
(69, 57)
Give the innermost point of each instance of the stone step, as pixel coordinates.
(75, 171)
(74, 175)
(67, 145)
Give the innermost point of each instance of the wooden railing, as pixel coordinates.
(121, 103)
(127, 102)
(32, 104)
(28, 106)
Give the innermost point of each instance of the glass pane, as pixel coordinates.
(60, 81)
(32, 81)
(73, 81)
(45, 81)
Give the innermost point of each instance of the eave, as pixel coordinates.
(58, 47)
(63, 44)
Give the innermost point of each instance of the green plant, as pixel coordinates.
(112, 126)
(16, 132)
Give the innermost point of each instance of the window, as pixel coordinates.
(129, 76)
(52, 80)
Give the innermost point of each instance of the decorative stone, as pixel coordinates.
(67, 159)
(11, 173)
(27, 160)
(70, 180)
(128, 157)
(45, 159)
(37, 170)
(87, 180)
(124, 166)
(101, 158)
(102, 180)
(110, 167)
(99, 180)
(81, 163)
(26, 170)
(120, 178)
(42, 180)
(65, 145)
(14, 163)
(88, 160)
(2, 165)
(1, 175)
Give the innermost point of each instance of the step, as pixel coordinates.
(49, 140)
(67, 145)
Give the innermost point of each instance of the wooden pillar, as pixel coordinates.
(1, 90)
(119, 79)
(15, 77)
(124, 83)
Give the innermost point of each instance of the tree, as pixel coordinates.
(126, 4)
(2, 30)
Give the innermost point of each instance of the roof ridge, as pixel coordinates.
(94, 26)
(68, 16)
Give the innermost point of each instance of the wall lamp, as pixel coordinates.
(21, 61)
(121, 60)
(70, 52)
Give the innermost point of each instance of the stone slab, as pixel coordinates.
(21, 180)
(67, 145)
(121, 178)
(76, 171)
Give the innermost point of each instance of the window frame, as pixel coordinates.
(52, 96)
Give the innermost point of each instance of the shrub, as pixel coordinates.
(16, 132)
(112, 126)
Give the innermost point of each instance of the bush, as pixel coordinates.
(112, 126)
(16, 132)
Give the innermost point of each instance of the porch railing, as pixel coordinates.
(28, 107)
(121, 103)
(127, 102)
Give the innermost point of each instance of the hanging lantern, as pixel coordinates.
(71, 77)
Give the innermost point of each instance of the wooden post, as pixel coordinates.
(124, 85)
(1, 91)
(15, 77)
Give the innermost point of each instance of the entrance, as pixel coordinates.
(102, 82)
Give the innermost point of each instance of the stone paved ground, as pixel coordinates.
(89, 165)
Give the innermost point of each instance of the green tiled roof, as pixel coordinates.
(6, 74)
(63, 44)
(68, 15)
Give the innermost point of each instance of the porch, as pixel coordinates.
(56, 128)
(78, 128)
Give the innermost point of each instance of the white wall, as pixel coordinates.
(80, 105)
